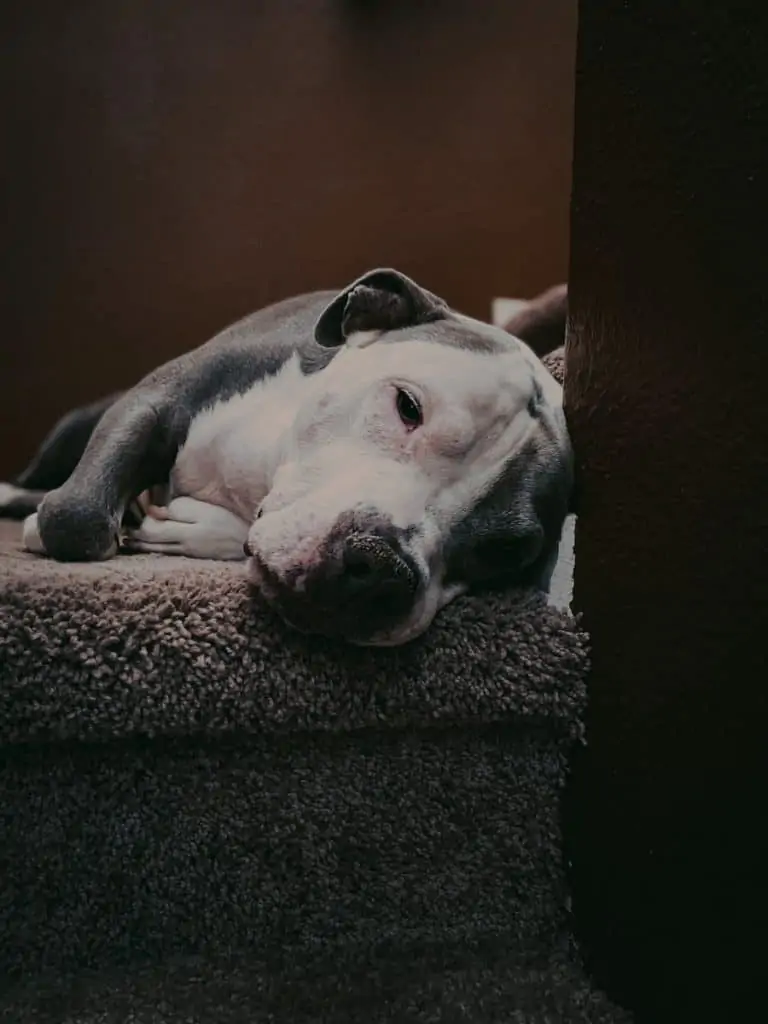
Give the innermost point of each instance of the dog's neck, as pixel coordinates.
(234, 448)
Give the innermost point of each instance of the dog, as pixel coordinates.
(371, 452)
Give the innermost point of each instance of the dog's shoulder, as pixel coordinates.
(240, 357)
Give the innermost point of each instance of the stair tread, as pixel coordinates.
(145, 645)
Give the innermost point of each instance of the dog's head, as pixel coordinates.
(430, 457)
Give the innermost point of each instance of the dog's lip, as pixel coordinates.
(263, 577)
(258, 563)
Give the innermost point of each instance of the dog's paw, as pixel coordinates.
(189, 527)
(72, 530)
(30, 537)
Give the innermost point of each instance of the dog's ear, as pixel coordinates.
(381, 300)
(541, 323)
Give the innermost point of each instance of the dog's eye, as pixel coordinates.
(408, 409)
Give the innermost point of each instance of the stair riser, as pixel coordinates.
(132, 852)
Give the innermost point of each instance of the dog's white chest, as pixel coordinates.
(233, 447)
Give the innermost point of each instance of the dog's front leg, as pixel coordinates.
(129, 450)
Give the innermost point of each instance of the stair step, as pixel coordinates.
(184, 781)
(467, 987)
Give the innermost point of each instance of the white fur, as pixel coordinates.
(233, 448)
(31, 536)
(360, 339)
(193, 528)
(9, 493)
(348, 448)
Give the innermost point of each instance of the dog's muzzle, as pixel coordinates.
(363, 584)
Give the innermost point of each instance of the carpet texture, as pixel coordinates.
(171, 749)
(185, 778)
(464, 988)
(209, 818)
(145, 645)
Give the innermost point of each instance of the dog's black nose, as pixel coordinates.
(374, 580)
(363, 583)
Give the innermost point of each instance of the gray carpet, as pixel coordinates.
(186, 782)
(207, 818)
(462, 989)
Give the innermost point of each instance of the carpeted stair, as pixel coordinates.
(208, 818)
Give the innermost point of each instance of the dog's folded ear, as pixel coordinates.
(381, 300)
(541, 323)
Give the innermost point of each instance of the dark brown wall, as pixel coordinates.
(667, 364)
(169, 167)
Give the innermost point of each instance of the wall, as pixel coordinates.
(171, 166)
(666, 370)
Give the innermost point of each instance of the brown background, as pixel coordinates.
(171, 166)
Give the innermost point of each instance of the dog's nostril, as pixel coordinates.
(358, 564)
(371, 562)
(247, 550)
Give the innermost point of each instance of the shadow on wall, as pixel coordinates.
(169, 169)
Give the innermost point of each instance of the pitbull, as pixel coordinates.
(372, 453)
